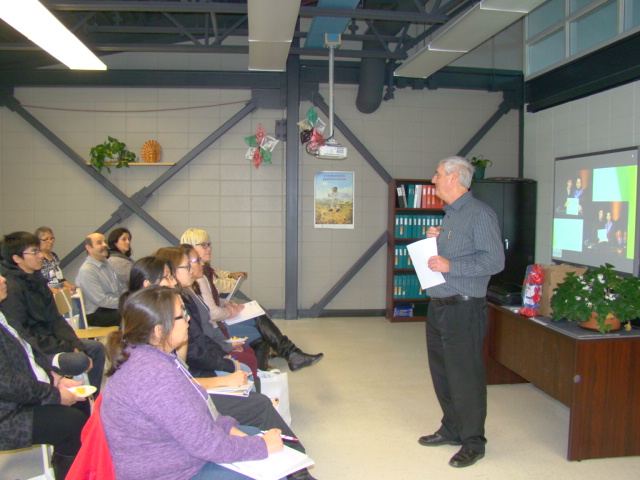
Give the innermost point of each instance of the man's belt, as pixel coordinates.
(451, 300)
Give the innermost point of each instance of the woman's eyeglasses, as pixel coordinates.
(185, 315)
(50, 239)
(187, 267)
(204, 245)
(195, 260)
(168, 277)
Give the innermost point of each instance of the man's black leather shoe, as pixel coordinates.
(298, 359)
(436, 440)
(465, 458)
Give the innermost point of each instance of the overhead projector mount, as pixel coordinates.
(331, 149)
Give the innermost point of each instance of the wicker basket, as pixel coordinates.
(151, 152)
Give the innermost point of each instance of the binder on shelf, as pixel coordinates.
(402, 197)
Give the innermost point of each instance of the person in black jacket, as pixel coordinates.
(34, 401)
(30, 304)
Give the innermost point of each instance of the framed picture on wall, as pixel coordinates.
(333, 200)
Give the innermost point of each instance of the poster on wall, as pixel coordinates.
(333, 201)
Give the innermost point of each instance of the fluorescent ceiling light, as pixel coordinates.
(524, 6)
(464, 33)
(426, 60)
(472, 28)
(272, 24)
(39, 25)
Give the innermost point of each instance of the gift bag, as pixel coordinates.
(275, 385)
(532, 290)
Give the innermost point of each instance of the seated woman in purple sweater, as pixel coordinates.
(159, 423)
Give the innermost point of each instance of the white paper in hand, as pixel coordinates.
(420, 253)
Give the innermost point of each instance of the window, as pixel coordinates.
(631, 14)
(546, 52)
(575, 5)
(594, 28)
(584, 25)
(543, 17)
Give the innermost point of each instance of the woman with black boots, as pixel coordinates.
(35, 405)
(262, 332)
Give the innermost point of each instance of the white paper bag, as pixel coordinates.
(275, 385)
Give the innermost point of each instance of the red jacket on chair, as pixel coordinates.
(93, 461)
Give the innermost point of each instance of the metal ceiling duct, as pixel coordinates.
(373, 70)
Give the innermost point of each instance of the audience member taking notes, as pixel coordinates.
(158, 422)
(262, 333)
(254, 409)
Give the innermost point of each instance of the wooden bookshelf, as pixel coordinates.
(430, 210)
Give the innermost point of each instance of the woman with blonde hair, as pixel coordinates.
(261, 331)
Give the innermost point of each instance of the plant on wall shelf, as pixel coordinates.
(111, 152)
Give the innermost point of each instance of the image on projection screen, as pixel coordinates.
(595, 210)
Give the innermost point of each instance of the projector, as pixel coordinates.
(332, 151)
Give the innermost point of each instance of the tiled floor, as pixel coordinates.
(360, 411)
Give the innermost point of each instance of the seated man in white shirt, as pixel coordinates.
(99, 283)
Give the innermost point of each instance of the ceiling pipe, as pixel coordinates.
(373, 70)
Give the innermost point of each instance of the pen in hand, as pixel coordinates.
(283, 437)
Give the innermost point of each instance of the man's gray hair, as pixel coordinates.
(461, 166)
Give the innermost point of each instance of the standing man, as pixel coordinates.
(99, 283)
(470, 251)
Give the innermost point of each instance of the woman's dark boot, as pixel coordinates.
(262, 350)
(61, 465)
(296, 358)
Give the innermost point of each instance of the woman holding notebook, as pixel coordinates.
(255, 409)
(262, 333)
(158, 422)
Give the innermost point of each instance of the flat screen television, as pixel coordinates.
(595, 210)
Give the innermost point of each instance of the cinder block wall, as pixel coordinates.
(242, 207)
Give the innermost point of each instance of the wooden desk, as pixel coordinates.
(597, 377)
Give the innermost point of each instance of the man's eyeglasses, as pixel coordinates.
(195, 260)
(204, 245)
(34, 252)
(187, 267)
